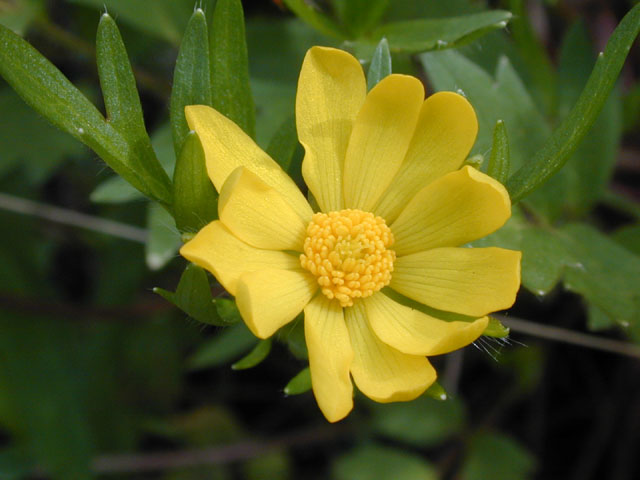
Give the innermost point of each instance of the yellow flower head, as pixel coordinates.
(396, 205)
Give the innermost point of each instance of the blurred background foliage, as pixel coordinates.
(99, 376)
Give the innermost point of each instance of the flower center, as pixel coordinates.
(348, 251)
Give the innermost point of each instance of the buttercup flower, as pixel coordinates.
(396, 208)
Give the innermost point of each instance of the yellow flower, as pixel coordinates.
(385, 169)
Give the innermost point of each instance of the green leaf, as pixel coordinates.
(565, 139)
(437, 392)
(120, 93)
(227, 310)
(503, 98)
(19, 15)
(380, 65)
(301, 383)
(315, 18)
(283, 144)
(191, 77)
(48, 91)
(439, 33)
(629, 237)
(375, 462)
(231, 91)
(512, 462)
(255, 356)
(581, 183)
(360, 16)
(587, 261)
(15, 463)
(496, 329)
(195, 200)
(499, 162)
(117, 190)
(193, 296)
(164, 240)
(423, 422)
(230, 344)
(293, 335)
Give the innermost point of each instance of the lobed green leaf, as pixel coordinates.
(376, 462)
(566, 138)
(439, 33)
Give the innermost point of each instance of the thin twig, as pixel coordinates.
(163, 461)
(568, 336)
(73, 218)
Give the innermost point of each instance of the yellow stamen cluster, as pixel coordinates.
(348, 251)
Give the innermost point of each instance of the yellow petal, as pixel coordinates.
(269, 299)
(458, 208)
(380, 138)
(227, 257)
(446, 130)
(415, 332)
(330, 357)
(381, 372)
(331, 90)
(256, 213)
(227, 147)
(471, 281)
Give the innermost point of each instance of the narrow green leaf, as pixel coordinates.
(193, 296)
(301, 383)
(283, 144)
(255, 356)
(191, 78)
(195, 200)
(566, 138)
(115, 190)
(163, 240)
(48, 91)
(437, 392)
(499, 161)
(380, 65)
(227, 310)
(230, 344)
(315, 18)
(120, 94)
(231, 92)
(360, 16)
(439, 33)
(496, 329)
